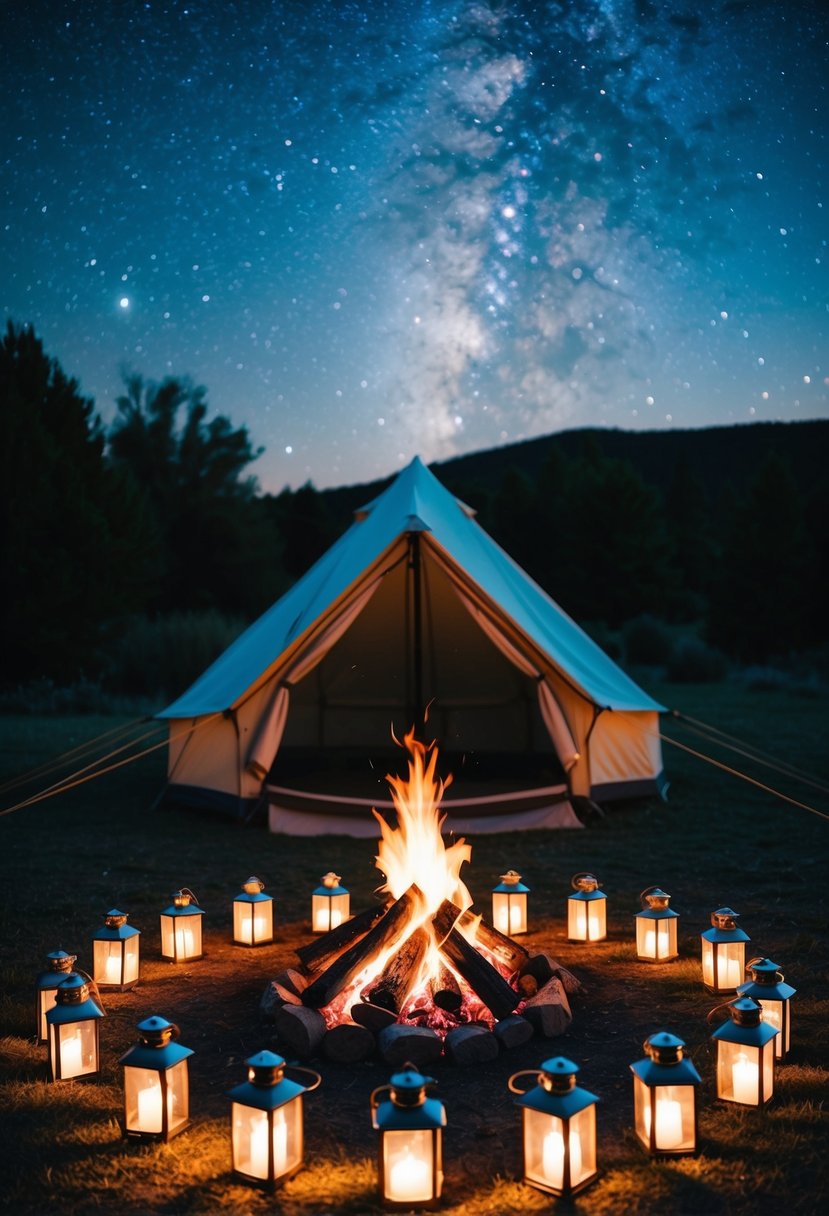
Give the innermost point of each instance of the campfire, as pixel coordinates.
(421, 958)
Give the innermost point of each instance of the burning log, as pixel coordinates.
(489, 985)
(348, 965)
(509, 953)
(445, 990)
(319, 954)
(400, 973)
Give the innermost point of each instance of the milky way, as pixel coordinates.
(379, 229)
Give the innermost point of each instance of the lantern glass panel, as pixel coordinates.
(329, 911)
(656, 939)
(76, 1045)
(107, 958)
(252, 922)
(545, 1139)
(674, 1108)
(723, 965)
(181, 937)
(509, 912)
(586, 920)
(745, 1073)
(409, 1166)
(47, 999)
(146, 1092)
(254, 1130)
(776, 1014)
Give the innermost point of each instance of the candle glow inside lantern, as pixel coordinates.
(723, 952)
(559, 1128)
(115, 952)
(252, 915)
(266, 1121)
(664, 1097)
(745, 1055)
(181, 929)
(74, 1046)
(330, 904)
(509, 904)
(410, 1126)
(656, 927)
(156, 1083)
(586, 910)
(766, 986)
(60, 965)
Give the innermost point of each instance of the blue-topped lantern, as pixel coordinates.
(115, 952)
(156, 1083)
(74, 1044)
(509, 904)
(656, 926)
(665, 1097)
(252, 915)
(330, 904)
(767, 986)
(586, 910)
(559, 1128)
(723, 952)
(181, 929)
(60, 965)
(410, 1126)
(266, 1121)
(745, 1054)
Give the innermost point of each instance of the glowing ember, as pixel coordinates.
(409, 975)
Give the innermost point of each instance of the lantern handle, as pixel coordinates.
(96, 993)
(192, 894)
(759, 959)
(374, 1101)
(313, 1084)
(574, 881)
(525, 1072)
(647, 891)
(711, 1017)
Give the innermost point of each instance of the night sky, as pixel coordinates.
(375, 230)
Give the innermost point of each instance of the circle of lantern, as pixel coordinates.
(559, 1128)
(156, 1082)
(74, 1042)
(767, 986)
(723, 952)
(745, 1054)
(60, 965)
(410, 1124)
(656, 927)
(586, 910)
(665, 1097)
(115, 952)
(509, 904)
(266, 1121)
(252, 915)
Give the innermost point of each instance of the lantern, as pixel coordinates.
(559, 1128)
(266, 1121)
(74, 1049)
(330, 904)
(181, 935)
(60, 965)
(115, 952)
(409, 1123)
(156, 1083)
(509, 904)
(723, 952)
(656, 927)
(766, 986)
(252, 915)
(745, 1055)
(586, 910)
(665, 1097)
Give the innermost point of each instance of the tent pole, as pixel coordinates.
(417, 622)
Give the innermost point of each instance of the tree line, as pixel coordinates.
(157, 515)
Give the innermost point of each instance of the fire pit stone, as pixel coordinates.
(400, 1043)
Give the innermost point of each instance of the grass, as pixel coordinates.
(67, 860)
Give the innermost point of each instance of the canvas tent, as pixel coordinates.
(415, 606)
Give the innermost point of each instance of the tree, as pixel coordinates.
(218, 548)
(76, 551)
